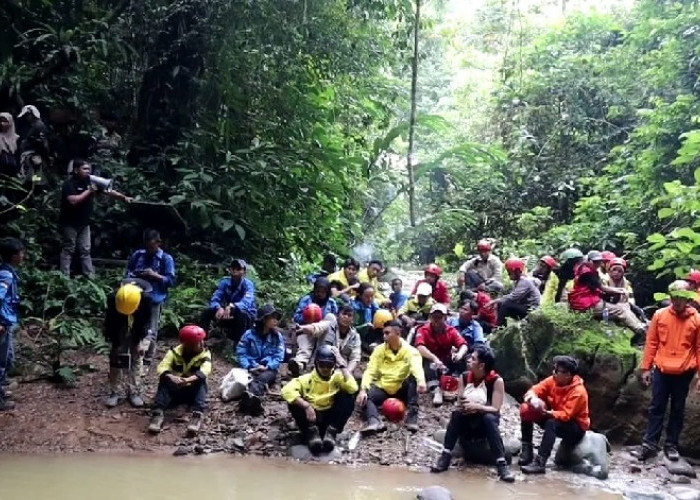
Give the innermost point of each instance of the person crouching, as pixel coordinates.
(183, 379)
(321, 402)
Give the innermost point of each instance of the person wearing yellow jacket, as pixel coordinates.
(321, 402)
(395, 370)
(371, 275)
(344, 276)
(183, 379)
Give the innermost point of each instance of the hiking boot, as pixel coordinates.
(112, 400)
(412, 423)
(6, 405)
(536, 467)
(11, 385)
(526, 455)
(195, 423)
(443, 462)
(437, 397)
(504, 472)
(255, 408)
(315, 443)
(156, 424)
(372, 427)
(329, 440)
(136, 401)
(645, 452)
(295, 368)
(671, 453)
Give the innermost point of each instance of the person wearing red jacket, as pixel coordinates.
(559, 404)
(671, 358)
(443, 349)
(441, 292)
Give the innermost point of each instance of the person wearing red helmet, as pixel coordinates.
(183, 379)
(693, 280)
(608, 256)
(525, 295)
(483, 271)
(543, 275)
(431, 276)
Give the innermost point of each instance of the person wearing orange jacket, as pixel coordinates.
(559, 404)
(671, 358)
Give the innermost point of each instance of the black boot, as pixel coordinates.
(315, 443)
(443, 462)
(329, 439)
(536, 467)
(526, 455)
(504, 473)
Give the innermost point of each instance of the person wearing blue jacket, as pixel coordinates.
(12, 254)
(364, 305)
(469, 328)
(261, 352)
(321, 296)
(233, 304)
(157, 268)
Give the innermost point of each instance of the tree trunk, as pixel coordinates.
(412, 122)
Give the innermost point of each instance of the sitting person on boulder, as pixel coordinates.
(261, 352)
(417, 309)
(233, 303)
(321, 402)
(321, 296)
(431, 276)
(587, 296)
(544, 278)
(485, 315)
(443, 350)
(570, 260)
(482, 272)
(183, 379)
(478, 419)
(394, 371)
(558, 404)
(671, 359)
(347, 277)
(615, 279)
(467, 326)
(397, 297)
(524, 298)
(307, 338)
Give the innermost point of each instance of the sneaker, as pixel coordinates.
(195, 423)
(645, 452)
(156, 424)
(112, 400)
(6, 405)
(136, 401)
(295, 368)
(412, 423)
(671, 453)
(329, 440)
(443, 462)
(315, 443)
(538, 466)
(372, 427)
(504, 472)
(526, 455)
(437, 397)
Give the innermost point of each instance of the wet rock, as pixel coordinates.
(637, 494)
(589, 456)
(301, 452)
(435, 493)
(181, 451)
(676, 479)
(635, 469)
(685, 493)
(199, 449)
(680, 467)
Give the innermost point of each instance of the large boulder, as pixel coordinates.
(589, 456)
(609, 365)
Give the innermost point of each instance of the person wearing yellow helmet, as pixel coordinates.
(127, 327)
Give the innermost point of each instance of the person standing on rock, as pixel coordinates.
(558, 404)
(443, 350)
(183, 377)
(524, 298)
(261, 352)
(671, 359)
(12, 254)
(431, 276)
(394, 371)
(321, 402)
(233, 303)
(484, 271)
(479, 420)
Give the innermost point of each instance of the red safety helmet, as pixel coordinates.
(192, 334)
(618, 261)
(515, 265)
(434, 269)
(694, 276)
(394, 409)
(550, 261)
(483, 246)
(312, 314)
(448, 383)
(608, 255)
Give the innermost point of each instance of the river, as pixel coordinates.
(126, 477)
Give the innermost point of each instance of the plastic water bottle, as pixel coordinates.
(606, 315)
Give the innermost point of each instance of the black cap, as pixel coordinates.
(566, 363)
(238, 264)
(268, 310)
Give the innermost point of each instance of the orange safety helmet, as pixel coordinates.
(394, 409)
(192, 334)
(434, 269)
(312, 314)
(515, 265)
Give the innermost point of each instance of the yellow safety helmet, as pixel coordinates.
(128, 298)
(381, 317)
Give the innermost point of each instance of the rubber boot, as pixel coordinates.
(372, 427)
(504, 472)
(195, 423)
(295, 368)
(315, 442)
(412, 422)
(671, 453)
(536, 467)
(156, 424)
(443, 462)
(526, 455)
(329, 439)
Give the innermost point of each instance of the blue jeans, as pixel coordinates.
(7, 354)
(664, 387)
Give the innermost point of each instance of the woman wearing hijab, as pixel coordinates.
(8, 145)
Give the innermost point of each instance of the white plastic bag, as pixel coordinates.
(234, 384)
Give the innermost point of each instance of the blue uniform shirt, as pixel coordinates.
(398, 299)
(472, 332)
(331, 307)
(162, 263)
(241, 295)
(9, 295)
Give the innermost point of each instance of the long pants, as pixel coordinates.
(570, 432)
(408, 393)
(258, 386)
(169, 394)
(234, 327)
(72, 237)
(6, 355)
(510, 309)
(621, 313)
(307, 344)
(432, 376)
(664, 387)
(475, 426)
(336, 416)
(156, 309)
(121, 370)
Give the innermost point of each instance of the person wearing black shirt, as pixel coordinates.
(74, 220)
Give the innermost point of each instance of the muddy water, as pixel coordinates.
(107, 477)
